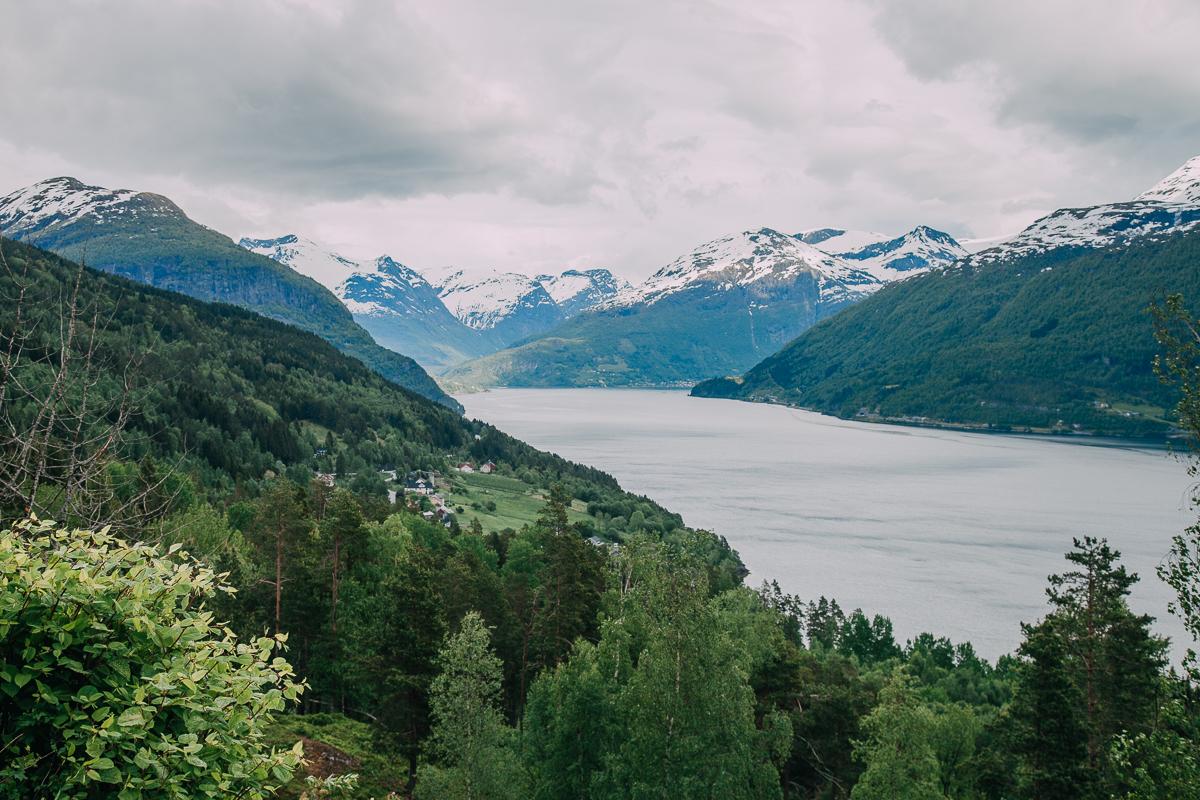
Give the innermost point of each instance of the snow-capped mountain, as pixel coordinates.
(577, 290)
(748, 258)
(388, 287)
(718, 309)
(1181, 186)
(836, 240)
(457, 314)
(507, 304)
(395, 303)
(45, 207)
(1170, 205)
(306, 257)
(888, 258)
(917, 251)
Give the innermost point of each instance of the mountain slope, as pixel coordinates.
(403, 311)
(148, 238)
(1055, 340)
(723, 306)
(1181, 186)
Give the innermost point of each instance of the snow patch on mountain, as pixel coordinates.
(836, 240)
(745, 258)
(577, 290)
(917, 251)
(1181, 186)
(1173, 204)
(484, 301)
(306, 257)
(387, 287)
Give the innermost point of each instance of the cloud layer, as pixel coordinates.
(533, 135)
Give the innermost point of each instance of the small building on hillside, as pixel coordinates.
(487, 468)
(326, 478)
(417, 486)
(465, 466)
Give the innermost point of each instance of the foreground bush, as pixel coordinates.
(116, 682)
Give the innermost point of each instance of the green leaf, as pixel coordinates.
(130, 717)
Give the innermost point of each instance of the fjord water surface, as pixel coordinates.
(947, 532)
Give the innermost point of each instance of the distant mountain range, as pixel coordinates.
(442, 318)
(148, 238)
(1046, 330)
(721, 307)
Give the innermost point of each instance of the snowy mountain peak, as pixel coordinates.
(577, 290)
(483, 302)
(386, 265)
(920, 250)
(1172, 204)
(1181, 186)
(60, 201)
(304, 256)
(745, 258)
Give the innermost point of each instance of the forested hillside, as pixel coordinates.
(1056, 341)
(229, 398)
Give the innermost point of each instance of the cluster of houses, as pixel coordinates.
(466, 466)
(424, 484)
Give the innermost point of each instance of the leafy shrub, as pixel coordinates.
(115, 681)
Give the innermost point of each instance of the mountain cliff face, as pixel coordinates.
(1056, 314)
(728, 303)
(148, 238)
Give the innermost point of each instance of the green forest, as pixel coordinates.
(1057, 342)
(187, 611)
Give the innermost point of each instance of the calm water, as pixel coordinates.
(948, 532)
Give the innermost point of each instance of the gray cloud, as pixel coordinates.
(532, 134)
(1121, 74)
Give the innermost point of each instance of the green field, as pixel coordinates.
(516, 502)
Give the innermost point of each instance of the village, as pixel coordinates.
(469, 491)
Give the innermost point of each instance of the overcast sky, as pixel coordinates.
(539, 134)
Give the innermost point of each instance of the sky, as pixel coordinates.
(536, 135)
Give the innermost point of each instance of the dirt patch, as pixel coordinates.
(323, 760)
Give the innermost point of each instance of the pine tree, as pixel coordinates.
(1114, 659)
(1051, 731)
(278, 521)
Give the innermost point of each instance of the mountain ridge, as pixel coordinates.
(147, 237)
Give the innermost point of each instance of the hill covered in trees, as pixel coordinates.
(1059, 340)
(226, 398)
